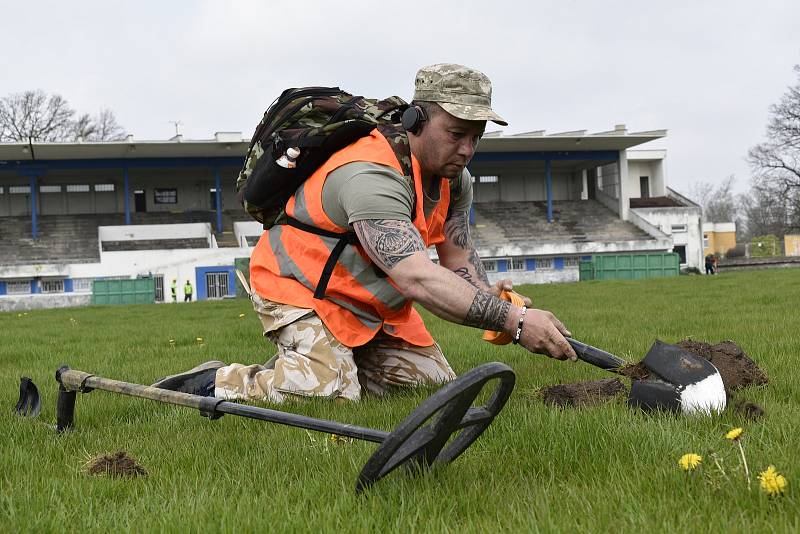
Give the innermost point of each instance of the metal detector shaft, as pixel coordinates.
(73, 381)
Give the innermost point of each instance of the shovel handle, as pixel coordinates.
(598, 358)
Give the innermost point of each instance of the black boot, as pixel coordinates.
(196, 381)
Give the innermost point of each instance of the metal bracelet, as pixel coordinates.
(519, 325)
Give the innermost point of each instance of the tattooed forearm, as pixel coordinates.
(464, 273)
(477, 264)
(487, 312)
(456, 229)
(389, 241)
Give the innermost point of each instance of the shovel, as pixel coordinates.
(683, 381)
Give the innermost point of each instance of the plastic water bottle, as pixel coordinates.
(289, 159)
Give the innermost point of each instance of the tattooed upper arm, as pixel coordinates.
(456, 229)
(387, 241)
(470, 266)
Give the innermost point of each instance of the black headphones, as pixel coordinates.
(413, 118)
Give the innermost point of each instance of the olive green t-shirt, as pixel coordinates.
(363, 190)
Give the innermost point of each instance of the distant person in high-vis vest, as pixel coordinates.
(364, 334)
(187, 292)
(174, 289)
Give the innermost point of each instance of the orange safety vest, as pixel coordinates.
(360, 300)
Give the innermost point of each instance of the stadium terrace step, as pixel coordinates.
(577, 221)
(154, 244)
(73, 238)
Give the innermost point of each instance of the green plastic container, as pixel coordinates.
(137, 291)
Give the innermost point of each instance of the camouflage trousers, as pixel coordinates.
(312, 363)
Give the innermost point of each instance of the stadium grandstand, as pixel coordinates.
(72, 213)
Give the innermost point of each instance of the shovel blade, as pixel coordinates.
(677, 365)
(29, 403)
(696, 380)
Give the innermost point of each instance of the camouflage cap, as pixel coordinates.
(461, 91)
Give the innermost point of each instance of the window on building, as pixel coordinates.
(706, 241)
(82, 285)
(571, 261)
(544, 264)
(77, 188)
(19, 189)
(2, 190)
(490, 266)
(488, 179)
(104, 188)
(49, 188)
(18, 287)
(165, 196)
(681, 251)
(517, 264)
(678, 228)
(52, 286)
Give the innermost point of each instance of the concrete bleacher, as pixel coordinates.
(74, 238)
(577, 221)
(154, 244)
(61, 238)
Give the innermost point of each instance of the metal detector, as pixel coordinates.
(435, 433)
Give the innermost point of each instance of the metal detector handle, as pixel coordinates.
(598, 358)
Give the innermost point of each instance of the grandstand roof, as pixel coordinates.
(231, 144)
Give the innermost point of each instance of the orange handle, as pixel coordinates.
(501, 338)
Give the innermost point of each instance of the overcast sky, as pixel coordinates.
(705, 71)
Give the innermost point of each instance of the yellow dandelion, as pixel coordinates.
(690, 461)
(336, 438)
(241, 316)
(734, 434)
(772, 482)
(199, 340)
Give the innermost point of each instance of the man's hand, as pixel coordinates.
(543, 333)
(507, 285)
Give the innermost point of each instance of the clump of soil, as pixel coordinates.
(737, 369)
(587, 393)
(750, 410)
(118, 464)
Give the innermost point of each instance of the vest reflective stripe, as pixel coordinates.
(349, 259)
(287, 262)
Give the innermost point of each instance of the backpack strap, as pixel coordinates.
(397, 137)
(344, 239)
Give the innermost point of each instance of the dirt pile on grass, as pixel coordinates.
(737, 369)
(587, 393)
(117, 464)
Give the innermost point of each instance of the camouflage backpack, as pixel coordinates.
(318, 121)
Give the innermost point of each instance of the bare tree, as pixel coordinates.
(33, 115)
(773, 206)
(106, 127)
(718, 201)
(767, 211)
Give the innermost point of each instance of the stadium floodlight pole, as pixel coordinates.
(436, 432)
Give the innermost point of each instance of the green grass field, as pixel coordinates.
(536, 469)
